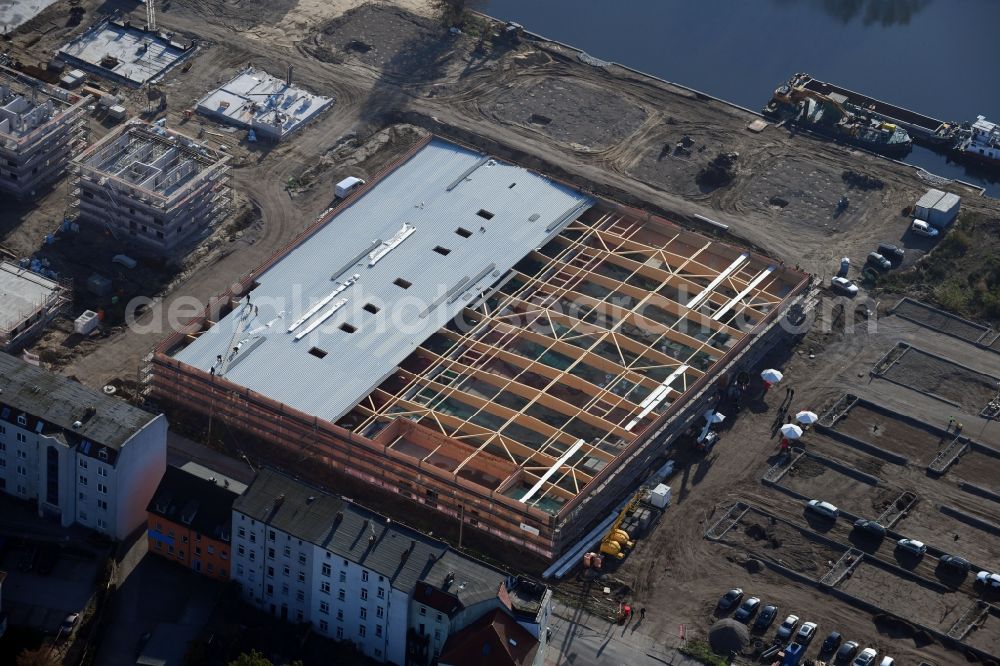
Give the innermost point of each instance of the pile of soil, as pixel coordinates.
(727, 636)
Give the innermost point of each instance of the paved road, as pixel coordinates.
(180, 450)
(580, 639)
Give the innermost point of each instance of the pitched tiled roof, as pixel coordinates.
(496, 639)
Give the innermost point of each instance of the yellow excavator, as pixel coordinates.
(617, 540)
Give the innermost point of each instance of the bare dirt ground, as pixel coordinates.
(919, 445)
(387, 66)
(924, 372)
(931, 318)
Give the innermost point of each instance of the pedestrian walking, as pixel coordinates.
(642, 613)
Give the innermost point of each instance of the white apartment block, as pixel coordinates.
(306, 556)
(81, 456)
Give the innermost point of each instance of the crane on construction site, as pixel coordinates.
(617, 540)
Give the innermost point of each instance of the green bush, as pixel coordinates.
(701, 651)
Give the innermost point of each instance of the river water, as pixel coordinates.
(937, 57)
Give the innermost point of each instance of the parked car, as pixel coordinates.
(787, 627)
(959, 564)
(746, 612)
(921, 228)
(70, 622)
(870, 527)
(878, 261)
(824, 509)
(887, 661)
(988, 579)
(842, 285)
(806, 633)
(765, 619)
(912, 546)
(846, 653)
(730, 599)
(893, 253)
(831, 642)
(866, 657)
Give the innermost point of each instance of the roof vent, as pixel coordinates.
(310, 499)
(77, 424)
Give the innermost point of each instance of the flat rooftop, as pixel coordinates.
(22, 292)
(150, 158)
(27, 104)
(124, 51)
(337, 314)
(255, 98)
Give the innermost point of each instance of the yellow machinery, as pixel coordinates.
(617, 540)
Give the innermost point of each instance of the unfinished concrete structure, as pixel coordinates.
(507, 350)
(28, 301)
(41, 128)
(152, 188)
(122, 52)
(269, 106)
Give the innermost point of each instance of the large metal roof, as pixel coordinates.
(442, 227)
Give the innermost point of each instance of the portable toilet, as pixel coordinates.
(660, 496)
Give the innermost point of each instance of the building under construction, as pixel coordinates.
(483, 341)
(28, 301)
(41, 129)
(151, 188)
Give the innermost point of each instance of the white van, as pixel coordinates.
(921, 228)
(348, 185)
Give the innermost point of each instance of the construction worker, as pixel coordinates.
(642, 613)
(951, 423)
(784, 445)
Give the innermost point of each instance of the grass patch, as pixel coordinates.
(701, 651)
(961, 274)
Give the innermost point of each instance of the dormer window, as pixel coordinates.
(22, 420)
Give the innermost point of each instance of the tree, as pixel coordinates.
(253, 659)
(41, 656)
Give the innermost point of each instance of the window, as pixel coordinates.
(485, 214)
(343, 576)
(223, 554)
(83, 516)
(22, 470)
(368, 307)
(364, 613)
(361, 631)
(400, 282)
(340, 614)
(378, 630)
(102, 471)
(253, 537)
(270, 553)
(379, 612)
(83, 480)
(364, 595)
(284, 589)
(302, 558)
(302, 576)
(101, 524)
(285, 570)
(101, 504)
(443, 251)
(423, 610)
(324, 587)
(270, 572)
(347, 328)
(340, 594)
(437, 634)
(381, 593)
(21, 437)
(364, 576)
(23, 455)
(242, 532)
(82, 497)
(463, 232)
(211, 549)
(298, 615)
(324, 607)
(211, 568)
(340, 633)
(101, 488)
(270, 589)
(241, 550)
(300, 595)
(253, 556)
(324, 626)
(439, 617)
(239, 569)
(288, 551)
(270, 535)
(325, 569)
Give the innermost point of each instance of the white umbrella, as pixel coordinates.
(714, 417)
(806, 417)
(771, 375)
(791, 431)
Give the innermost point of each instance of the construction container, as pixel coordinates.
(99, 285)
(86, 323)
(117, 112)
(348, 185)
(660, 496)
(937, 208)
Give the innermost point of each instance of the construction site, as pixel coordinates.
(41, 129)
(28, 301)
(531, 399)
(151, 188)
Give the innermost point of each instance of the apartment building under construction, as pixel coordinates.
(479, 339)
(41, 129)
(151, 188)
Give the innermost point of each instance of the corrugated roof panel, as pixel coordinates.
(504, 212)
